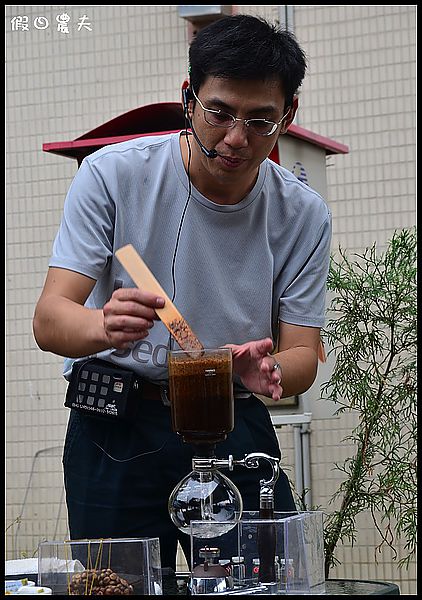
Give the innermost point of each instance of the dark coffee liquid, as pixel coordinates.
(267, 541)
(201, 395)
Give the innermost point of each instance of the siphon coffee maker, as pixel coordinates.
(202, 410)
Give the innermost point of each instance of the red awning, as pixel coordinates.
(157, 119)
(152, 119)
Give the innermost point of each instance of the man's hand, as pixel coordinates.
(129, 316)
(256, 368)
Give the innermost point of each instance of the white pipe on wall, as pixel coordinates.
(298, 460)
(306, 464)
(301, 439)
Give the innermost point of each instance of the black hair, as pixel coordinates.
(247, 47)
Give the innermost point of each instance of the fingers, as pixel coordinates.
(238, 351)
(129, 315)
(272, 370)
(276, 391)
(274, 386)
(139, 297)
(256, 350)
(275, 376)
(270, 365)
(264, 346)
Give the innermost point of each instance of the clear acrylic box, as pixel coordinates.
(298, 556)
(101, 567)
(304, 541)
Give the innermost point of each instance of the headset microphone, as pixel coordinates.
(208, 153)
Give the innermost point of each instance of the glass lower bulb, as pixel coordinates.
(205, 496)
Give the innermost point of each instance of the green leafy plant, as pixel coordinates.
(372, 333)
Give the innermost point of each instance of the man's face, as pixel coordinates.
(240, 152)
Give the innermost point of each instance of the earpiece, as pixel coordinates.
(186, 95)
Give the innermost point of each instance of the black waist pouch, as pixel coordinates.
(104, 390)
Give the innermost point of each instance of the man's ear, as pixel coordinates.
(290, 115)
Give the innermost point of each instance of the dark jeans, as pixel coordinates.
(119, 476)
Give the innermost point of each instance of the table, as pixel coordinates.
(175, 584)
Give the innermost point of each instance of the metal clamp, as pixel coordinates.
(212, 463)
(251, 461)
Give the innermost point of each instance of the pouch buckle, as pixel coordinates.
(164, 393)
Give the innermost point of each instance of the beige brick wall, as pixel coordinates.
(360, 91)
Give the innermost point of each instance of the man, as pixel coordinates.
(240, 245)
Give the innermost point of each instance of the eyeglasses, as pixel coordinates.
(218, 118)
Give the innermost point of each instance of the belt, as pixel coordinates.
(154, 391)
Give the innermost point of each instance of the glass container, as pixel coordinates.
(201, 395)
(205, 496)
(121, 566)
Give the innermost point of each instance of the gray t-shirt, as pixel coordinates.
(239, 269)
